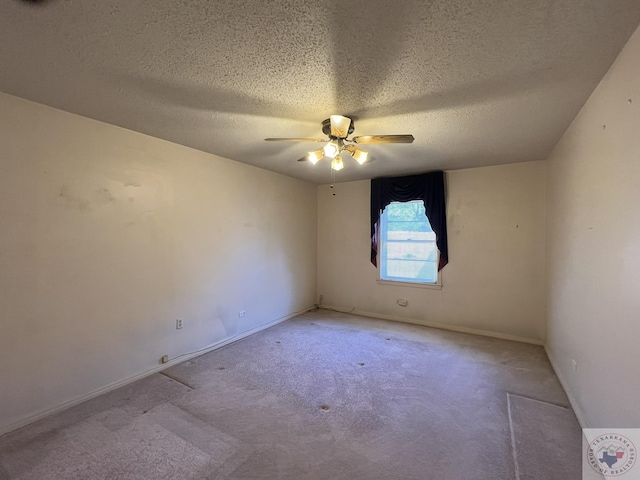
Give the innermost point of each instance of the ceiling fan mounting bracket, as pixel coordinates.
(326, 128)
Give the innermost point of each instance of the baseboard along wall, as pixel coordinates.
(441, 326)
(121, 383)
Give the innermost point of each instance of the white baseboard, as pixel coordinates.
(441, 326)
(574, 404)
(121, 383)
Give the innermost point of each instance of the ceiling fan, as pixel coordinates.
(338, 128)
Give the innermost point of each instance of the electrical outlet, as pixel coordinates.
(164, 359)
(402, 302)
(242, 313)
(178, 323)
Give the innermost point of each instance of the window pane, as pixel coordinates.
(409, 251)
(408, 271)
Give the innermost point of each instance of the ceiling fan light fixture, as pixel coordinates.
(316, 156)
(360, 156)
(337, 128)
(331, 149)
(340, 126)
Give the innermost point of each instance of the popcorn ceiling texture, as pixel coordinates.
(477, 83)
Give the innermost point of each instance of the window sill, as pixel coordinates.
(428, 286)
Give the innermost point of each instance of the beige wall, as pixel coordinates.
(107, 236)
(495, 279)
(594, 250)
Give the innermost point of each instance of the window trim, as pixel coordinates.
(437, 285)
(396, 283)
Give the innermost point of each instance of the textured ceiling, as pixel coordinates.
(476, 82)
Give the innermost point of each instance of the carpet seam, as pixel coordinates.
(513, 438)
(177, 380)
(566, 407)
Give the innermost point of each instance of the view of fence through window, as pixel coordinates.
(408, 244)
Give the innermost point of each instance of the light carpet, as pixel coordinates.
(322, 396)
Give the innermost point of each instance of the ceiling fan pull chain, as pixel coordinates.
(333, 179)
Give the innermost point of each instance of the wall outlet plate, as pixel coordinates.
(402, 302)
(242, 313)
(178, 323)
(164, 359)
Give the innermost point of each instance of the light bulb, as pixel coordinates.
(315, 157)
(337, 164)
(331, 149)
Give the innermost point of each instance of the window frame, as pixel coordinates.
(437, 285)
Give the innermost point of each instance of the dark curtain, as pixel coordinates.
(428, 187)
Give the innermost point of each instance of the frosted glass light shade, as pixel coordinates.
(315, 157)
(340, 126)
(337, 164)
(331, 150)
(360, 156)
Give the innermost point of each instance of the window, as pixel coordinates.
(408, 251)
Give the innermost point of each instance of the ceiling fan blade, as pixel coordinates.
(303, 159)
(296, 140)
(370, 139)
(340, 126)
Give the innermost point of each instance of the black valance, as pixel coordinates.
(428, 187)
